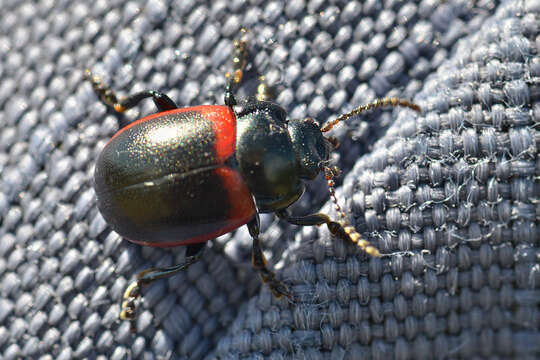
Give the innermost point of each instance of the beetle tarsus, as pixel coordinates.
(133, 291)
(277, 287)
(239, 60)
(104, 93)
(129, 307)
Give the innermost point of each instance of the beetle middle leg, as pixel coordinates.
(108, 96)
(194, 253)
(258, 260)
(343, 231)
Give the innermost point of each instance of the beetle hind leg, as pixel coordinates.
(278, 288)
(108, 96)
(133, 291)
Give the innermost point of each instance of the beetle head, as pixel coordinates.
(311, 147)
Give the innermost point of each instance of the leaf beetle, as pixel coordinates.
(183, 176)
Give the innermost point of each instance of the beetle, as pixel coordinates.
(183, 176)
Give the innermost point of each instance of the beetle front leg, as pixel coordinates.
(239, 60)
(345, 232)
(108, 96)
(133, 291)
(258, 260)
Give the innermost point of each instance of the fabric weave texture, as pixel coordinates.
(450, 196)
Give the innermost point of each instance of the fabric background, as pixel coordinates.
(451, 196)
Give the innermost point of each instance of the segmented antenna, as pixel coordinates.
(394, 102)
(344, 225)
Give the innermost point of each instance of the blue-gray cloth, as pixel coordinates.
(450, 196)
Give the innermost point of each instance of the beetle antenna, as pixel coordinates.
(329, 174)
(394, 102)
(348, 229)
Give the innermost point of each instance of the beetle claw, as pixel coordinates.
(279, 290)
(129, 304)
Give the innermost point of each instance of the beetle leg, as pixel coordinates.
(239, 60)
(193, 254)
(162, 101)
(107, 95)
(133, 291)
(258, 260)
(346, 232)
(265, 92)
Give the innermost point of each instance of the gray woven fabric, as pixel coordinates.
(451, 196)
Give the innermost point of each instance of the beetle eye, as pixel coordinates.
(277, 112)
